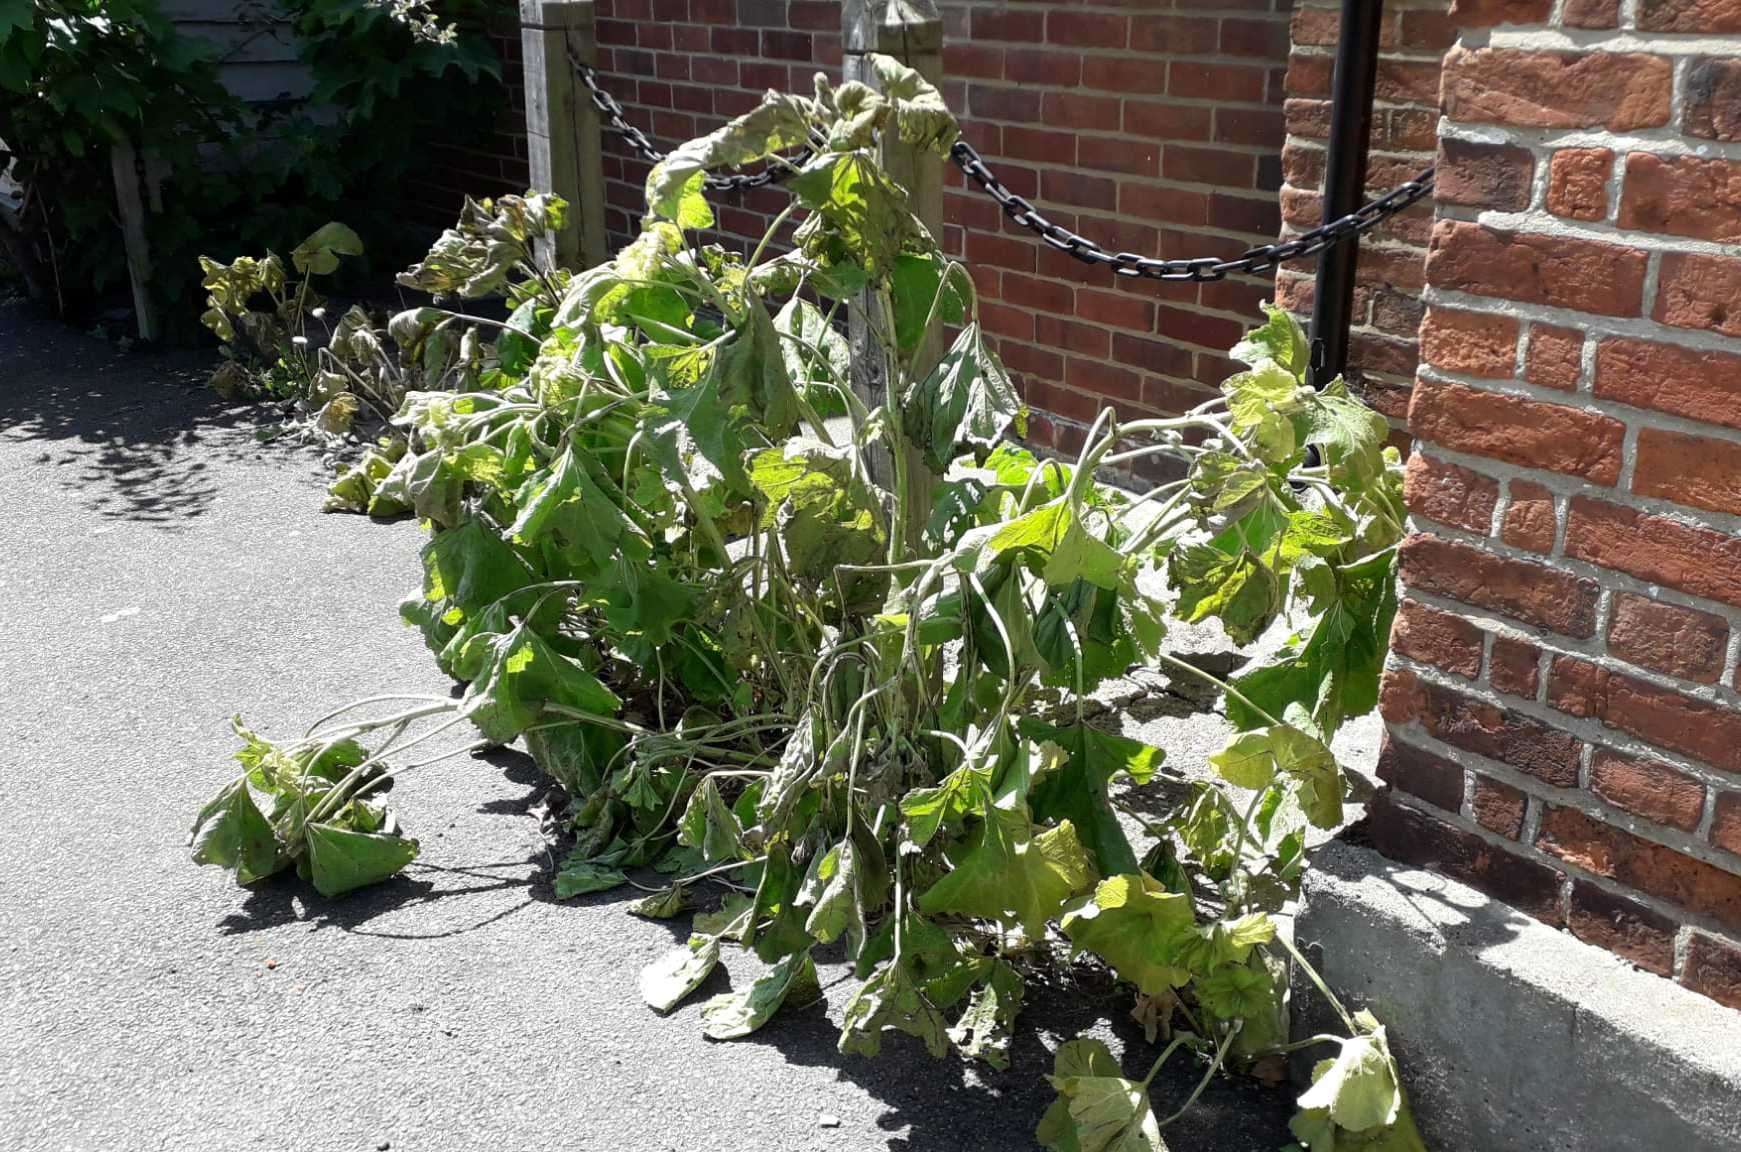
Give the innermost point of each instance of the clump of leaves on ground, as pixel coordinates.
(842, 666)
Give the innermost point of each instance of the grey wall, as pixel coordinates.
(253, 41)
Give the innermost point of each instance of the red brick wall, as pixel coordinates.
(1154, 131)
(1564, 703)
(489, 166)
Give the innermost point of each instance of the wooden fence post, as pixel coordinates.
(912, 32)
(124, 165)
(563, 145)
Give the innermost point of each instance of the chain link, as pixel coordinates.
(616, 123)
(1019, 209)
(1363, 219)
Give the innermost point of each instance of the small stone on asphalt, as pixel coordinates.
(828, 1120)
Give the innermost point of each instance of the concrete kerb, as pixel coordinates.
(1513, 1036)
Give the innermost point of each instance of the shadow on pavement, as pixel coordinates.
(134, 430)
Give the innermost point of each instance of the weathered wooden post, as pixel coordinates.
(124, 166)
(563, 145)
(911, 31)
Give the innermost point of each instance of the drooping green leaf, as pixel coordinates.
(1358, 1088)
(1075, 789)
(1253, 759)
(1097, 1109)
(891, 998)
(984, 1029)
(1012, 873)
(967, 401)
(521, 674)
(779, 123)
(580, 877)
(1241, 590)
(1139, 928)
(711, 826)
(319, 254)
(1281, 340)
(731, 1015)
(231, 833)
(341, 859)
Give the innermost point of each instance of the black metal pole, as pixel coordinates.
(1345, 182)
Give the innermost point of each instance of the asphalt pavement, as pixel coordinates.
(160, 570)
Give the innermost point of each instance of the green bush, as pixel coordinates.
(858, 695)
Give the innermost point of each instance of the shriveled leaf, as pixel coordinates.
(968, 401)
(891, 998)
(667, 980)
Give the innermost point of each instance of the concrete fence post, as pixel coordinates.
(563, 145)
(911, 31)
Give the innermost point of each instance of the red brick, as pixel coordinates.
(1224, 82)
(1685, 381)
(1648, 789)
(1115, 308)
(1514, 667)
(1075, 111)
(1483, 175)
(1701, 729)
(1726, 822)
(1657, 549)
(1678, 641)
(1555, 357)
(1527, 432)
(996, 102)
(1126, 75)
(1068, 335)
(1699, 291)
(1408, 81)
(1695, 470)
(1576, 686)
(1471, 343)
(1502, 734)
(1172, 205)
(1578, 183)
(1522, 589)
(1529, 521)
(993, 250)
(1174, 35)
(1712, 100)
(1488, 13)
(1162, 356)
(1420, 773)
(1316, 27)
(980, 61)
(1563, 271)
(1022, 25)
(1134, 157)
(1414, 837)
(1617, 90)
(1207, 166)
(1682, 196)
(1087, 29)
(1433, 637)
(1043, 66)
(1651, 868)
(1689, 16)
(1713, 968)
(1591, 13)
(1425, 30)
(1624, 927)
(1498, 807)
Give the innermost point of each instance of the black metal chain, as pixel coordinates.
(616, 123)
(1363, 219)
(1018, 208)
